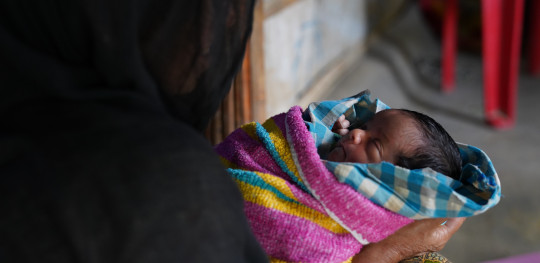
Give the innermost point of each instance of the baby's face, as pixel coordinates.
(388, 135)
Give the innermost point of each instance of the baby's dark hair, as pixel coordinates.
(438, 151)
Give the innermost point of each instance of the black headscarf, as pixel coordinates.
(101, 107)
(178, 56)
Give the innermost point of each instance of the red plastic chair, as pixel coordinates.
(502, 22)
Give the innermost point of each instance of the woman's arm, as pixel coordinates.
(421, 236)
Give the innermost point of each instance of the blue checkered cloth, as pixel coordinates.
(417, 194)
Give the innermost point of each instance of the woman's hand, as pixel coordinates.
(418, 237)
(341, 125)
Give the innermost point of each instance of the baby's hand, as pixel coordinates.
(341, 125)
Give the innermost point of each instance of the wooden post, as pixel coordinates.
(243, 110)
(256, 56)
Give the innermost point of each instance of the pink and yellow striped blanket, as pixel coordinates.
(297, 209)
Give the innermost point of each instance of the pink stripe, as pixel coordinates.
(306, 199)
(249, 154)
(353, 209)
(279, 120)
(296, 239)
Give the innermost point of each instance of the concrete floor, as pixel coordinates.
(402, 69)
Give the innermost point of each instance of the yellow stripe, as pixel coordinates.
(279, 141)
(268, 199)
(278, 183)
(275, 260)
(250, 129)
(227, 163)
(281, 145)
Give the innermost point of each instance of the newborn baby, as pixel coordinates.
(402, 137)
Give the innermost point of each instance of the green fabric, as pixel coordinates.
(431, 257)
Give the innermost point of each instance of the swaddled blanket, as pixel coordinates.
(304, 209)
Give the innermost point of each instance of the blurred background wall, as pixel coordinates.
(306, 42)
(298, 52)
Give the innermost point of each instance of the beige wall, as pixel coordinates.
(308, 45)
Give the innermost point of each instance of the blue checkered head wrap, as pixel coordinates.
(418, 193)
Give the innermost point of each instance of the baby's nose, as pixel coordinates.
(357, 136)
